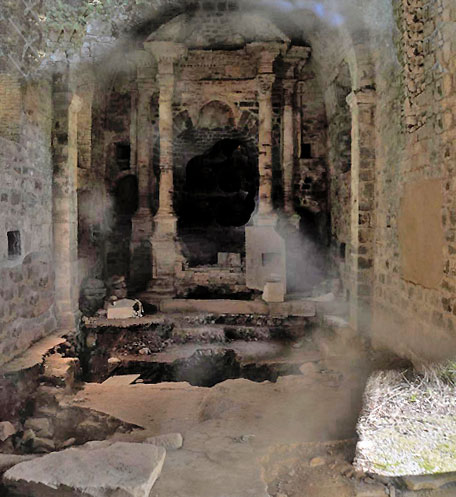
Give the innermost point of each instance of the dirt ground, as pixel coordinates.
(292, 438)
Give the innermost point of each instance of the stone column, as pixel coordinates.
(265, 208)
(288, 145)
(143, 217)
(65, 203)
(142, 221)
(165, 248)
(265, 248)
(165, 219)
(363, 107)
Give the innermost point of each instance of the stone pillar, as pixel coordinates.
(165, 248)
(288, 145)
(363, 106)
(165, 219)
(265, 248)
(265, 207)
(65, 203)
(143, 217)
(140, 262)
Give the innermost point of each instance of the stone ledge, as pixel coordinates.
(35, 354)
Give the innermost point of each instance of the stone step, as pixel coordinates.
(297, 308)
(220, 334)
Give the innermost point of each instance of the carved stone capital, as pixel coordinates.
(264, 84)
(266, 54)
(295, 60)
(166, 53)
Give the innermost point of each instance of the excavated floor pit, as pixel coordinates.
(205, 368)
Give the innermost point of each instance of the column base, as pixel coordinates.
(265, 257)
(166, 256)
(269, 219)
(141, 225)
(140, 254)
(165, 226)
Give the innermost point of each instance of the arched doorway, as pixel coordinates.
(219, 196)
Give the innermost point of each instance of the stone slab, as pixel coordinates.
(428, 482)
(103, 322)
(125, 309)
(7, 461)
(170, 441)
(126, 379)
(421, 234)
(265, 256)
(215, 306)
(298, 308)
(274, 291)
(34, 355)
(195, 474)
(122, 469)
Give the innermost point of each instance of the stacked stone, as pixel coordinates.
(414, 36)
(117, 287)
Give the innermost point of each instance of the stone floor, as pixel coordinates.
(291, 438)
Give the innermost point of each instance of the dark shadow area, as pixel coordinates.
(218, 200)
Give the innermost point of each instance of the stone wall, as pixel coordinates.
(415, 312)
(311, 178)
(26, 274)
(339, 150)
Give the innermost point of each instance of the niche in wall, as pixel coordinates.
(123, 151)
(14, 244)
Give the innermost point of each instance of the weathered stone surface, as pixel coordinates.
(218, 474)
(7, 461)
(123, 469)
(370, 490)
(126, 379)
(43, 445)
(274, 292)
(125, 309)
(7, 430)
(41, 426)
(428, 482)
(170, 441)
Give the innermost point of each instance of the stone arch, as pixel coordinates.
(215, 114)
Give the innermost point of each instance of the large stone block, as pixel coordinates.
(122, 469)
(265, 257)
